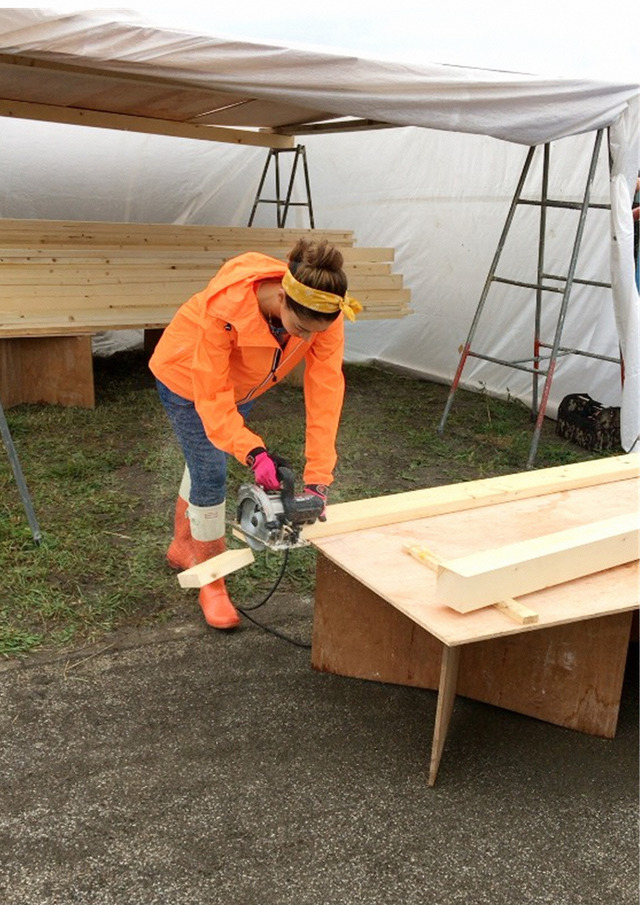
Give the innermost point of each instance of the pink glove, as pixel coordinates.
(322, 491)
(264, 469)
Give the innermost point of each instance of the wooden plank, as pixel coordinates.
(56, 279)
(38, 226)
(373, 314)
(147, 125)
(511, 608)
(36, 261)
(87, 308)
(446, 698)
(80, 233)
(65, 277)
(82, 276)
(215, 568)
(484, 578)
(518, 612)
(394, 508)
(15, 327)
(61, 302)
(28, 303)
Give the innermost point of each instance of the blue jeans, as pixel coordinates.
(206, 463)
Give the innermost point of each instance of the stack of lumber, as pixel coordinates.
(72, 277)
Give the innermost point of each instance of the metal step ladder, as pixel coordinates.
(540, 365)
(284, 204)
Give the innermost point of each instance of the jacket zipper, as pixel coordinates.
(275, 364)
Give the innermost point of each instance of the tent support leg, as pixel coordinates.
(19, 477)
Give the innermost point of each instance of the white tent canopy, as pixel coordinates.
(88, 69)
(93, 63)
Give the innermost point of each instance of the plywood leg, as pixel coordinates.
(357, 634)
(446, 698)
(570, 675)
(57, 370)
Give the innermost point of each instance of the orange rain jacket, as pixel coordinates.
(219, 352)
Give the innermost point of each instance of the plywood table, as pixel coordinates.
(376, 617)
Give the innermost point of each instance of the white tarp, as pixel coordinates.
(442, 201)
(515, 107)
(435, 194)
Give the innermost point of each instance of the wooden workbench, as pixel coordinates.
(376, 616)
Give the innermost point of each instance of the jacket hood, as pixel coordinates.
(225, 296)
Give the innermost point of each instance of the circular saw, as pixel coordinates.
(273, 519)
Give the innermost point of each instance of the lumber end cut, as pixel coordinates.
(216, 567)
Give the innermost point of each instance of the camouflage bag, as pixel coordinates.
(588, 423)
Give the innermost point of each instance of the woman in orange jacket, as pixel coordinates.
(227, 345)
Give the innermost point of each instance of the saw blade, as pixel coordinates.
(262, 522)
(253, 524)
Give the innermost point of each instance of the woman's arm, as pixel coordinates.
(214, 393)
(324, 394)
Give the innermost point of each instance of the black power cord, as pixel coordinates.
(256, 606)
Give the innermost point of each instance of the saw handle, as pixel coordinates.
(301, 510)
(287, 479)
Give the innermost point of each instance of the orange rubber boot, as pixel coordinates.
(214, 601)
(181, 554)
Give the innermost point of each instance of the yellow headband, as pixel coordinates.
(317, 300)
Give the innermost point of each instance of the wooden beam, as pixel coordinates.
(216, 567)
(334, 126)
(480, 579)
(81, 232)
(400, 507)
(511, 608)
(76, 116)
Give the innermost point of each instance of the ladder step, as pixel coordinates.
(570, 205)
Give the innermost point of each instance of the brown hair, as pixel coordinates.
(319, 265)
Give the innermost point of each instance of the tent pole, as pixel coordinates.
(19, 477)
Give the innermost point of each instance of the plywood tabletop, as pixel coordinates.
(376, 558)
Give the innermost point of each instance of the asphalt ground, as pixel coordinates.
(186, 766)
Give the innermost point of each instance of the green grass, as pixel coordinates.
(103, 484)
